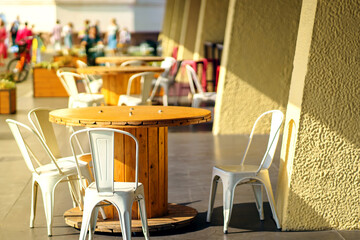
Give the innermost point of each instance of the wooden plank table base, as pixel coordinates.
(149, 124)
(115, 80)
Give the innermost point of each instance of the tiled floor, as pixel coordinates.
(192, 152)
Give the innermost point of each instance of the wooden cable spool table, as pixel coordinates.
(120, 59)
(115, 80)
(149, 124)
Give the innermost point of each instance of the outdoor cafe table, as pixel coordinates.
(149, 124)
(115, 80)
(120, 59)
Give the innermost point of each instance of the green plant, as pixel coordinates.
(7, 84)
(7, 75)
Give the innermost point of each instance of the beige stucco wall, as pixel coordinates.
(175, 27)
(189, 29)
(211, 24)
(319, 179)
(165, 33)
(257, 62)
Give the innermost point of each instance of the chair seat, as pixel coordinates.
(95, 85)
(88, 97)
(238, 168)
(66, 164)
(207, 96)
(119, 186)
(131, 100)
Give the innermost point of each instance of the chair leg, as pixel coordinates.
(48, 197)
(228, 199)
(213, 188)
(93, 221)
(86, 218)
(34, 191)
(143, 217)
(270, 195)
(196, 102)
(165, 96)
(258, 192)
(125, 223)
(102, 212)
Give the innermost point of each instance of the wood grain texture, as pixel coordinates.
(116, 70)
(119, 60)
(178, 216)
(119, 117)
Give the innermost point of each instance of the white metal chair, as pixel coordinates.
(95, 81)
(120, 194)
(39, 119)
(45, 176)
(144, 98)
(166, 79)
(199, 96)
(76, 99)
(257, 176)
(132, 63)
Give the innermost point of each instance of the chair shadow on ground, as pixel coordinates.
(245, 218)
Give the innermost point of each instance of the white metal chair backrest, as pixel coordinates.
(146, 84)
(276, 121)
(39, 119)
(167, 64)
(132, 63)
(81, 64)
(61, 70)
(68, 79)
(25, 149)
(192, 77)
(102, 151)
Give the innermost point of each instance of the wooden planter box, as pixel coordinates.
(47, 84)
(7, 101)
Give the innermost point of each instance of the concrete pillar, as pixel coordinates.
(256, 63)
(189, 29)
(164, 35)
(211, 25)
(318, 185)
(175, 27)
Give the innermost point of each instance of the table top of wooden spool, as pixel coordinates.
(133, 117)
(117, 69)
(119, 60)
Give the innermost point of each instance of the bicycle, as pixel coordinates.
(20, 64)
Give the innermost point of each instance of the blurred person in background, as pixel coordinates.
(67, 33)
(14, 29)
(111, 33)
(3, 47)
(56, 35)
(93, 46)
(85, 30)
(24, 36)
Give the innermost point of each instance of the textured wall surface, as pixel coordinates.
(175, 27)
(165, 34)
(257, 62)
(187, 39)
(324, 188)
(212, 22)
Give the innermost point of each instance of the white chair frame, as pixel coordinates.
(257, 176)
(164, 80)
(120, 194)
(77, 99)
(145, 97)
(200, 96)
(45, 176)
